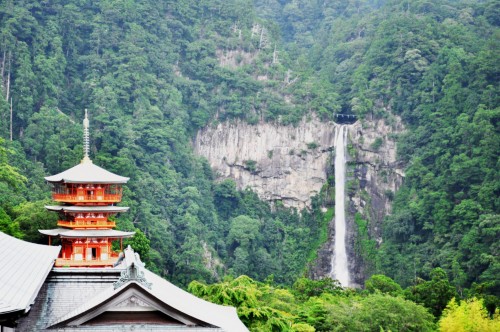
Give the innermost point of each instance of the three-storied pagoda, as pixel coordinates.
(88, 194)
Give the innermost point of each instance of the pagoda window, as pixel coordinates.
(80, 192)
(88, 254)
(104, 253)
(78, 253)
(100, 193)
(113, 189)
(59, 188)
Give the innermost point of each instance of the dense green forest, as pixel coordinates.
(150, 74)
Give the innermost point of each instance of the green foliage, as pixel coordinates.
(468, 316)
(251, 165)
(32, 216)
(434, 294)
(365, 245)
(259, 305)
(375, 146)
(8, 174)
(320, 305)
(140, 243)
(378, 312)
(7, 226)
(383, 284)
(304, 288)
(312, 145)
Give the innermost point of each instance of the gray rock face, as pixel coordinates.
(283, 163)
(377, 169)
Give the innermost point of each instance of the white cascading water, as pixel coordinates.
(339, 259)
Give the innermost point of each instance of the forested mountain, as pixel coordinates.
(151, 73)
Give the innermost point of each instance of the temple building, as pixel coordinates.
(88, 194)
(81, 284)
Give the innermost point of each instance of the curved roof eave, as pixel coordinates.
(71, 208)
(87, 172)
(83, 233)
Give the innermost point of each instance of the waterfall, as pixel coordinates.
(339, 259)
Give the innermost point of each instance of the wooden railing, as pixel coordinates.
(106, 198)
(62, 262)
(86, 223)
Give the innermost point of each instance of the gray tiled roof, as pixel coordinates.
(70, 292)
(23, 269)
(217, 315)
(87, 172)
(81, 233)
(106, 208)
(64, 289)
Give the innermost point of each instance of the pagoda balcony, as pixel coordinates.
(61, 262)
(86, 223)
(70, 198)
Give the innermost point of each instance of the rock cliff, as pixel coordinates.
(286, 163)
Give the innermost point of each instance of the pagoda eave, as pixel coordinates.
(87, 173)
(86, 233)
(89, 208)
(86, 181)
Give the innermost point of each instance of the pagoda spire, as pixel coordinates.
(86, 140)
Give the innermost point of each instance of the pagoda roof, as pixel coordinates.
(83, 233)
(87, 172)
(23, 269)
(83, 208)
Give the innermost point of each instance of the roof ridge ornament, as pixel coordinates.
(133, 271)
(86, 140)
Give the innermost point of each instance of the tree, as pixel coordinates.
(7, 226)
(226, 198)
(433, 294)
(140, 243)
(468, 316)
(305, 288)
(32, 216)
(378, 312)
(383, 284)
(9, 174)
(243, 231)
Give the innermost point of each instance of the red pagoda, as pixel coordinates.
(88, 194)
